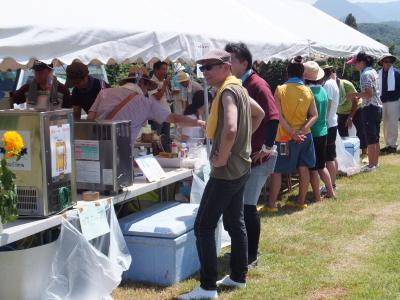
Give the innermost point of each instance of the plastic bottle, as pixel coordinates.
(174, 148)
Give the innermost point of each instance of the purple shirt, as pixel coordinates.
(260, 91)
(138, 110)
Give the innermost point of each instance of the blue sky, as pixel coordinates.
(376, 1)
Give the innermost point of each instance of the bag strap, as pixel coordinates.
(116, 109)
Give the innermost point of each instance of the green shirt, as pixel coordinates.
(345, 87)
(321, 101)
(239, 161)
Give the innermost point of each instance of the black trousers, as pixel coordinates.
(358, 121)
(221, 197)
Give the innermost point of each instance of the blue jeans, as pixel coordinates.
(221, 197)
(258, 176)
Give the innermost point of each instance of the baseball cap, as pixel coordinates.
(215, 56)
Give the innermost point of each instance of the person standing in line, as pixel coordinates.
(332, 90)
(233, 118)
(313, 75)
(350, 112)
(298, 112)
(372, 105)
(262, 142)
(389, 80)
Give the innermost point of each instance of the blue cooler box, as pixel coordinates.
(162, 243)
(352, 145)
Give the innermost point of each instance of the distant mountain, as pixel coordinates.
(383, 12)
(339, 9)
(395, 24)
(364, 12)
(386, 33)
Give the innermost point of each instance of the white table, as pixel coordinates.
(26, 227)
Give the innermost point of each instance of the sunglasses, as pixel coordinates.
(386, 61)
(209, 67)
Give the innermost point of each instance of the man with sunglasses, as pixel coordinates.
(233, 118)
(389, 80)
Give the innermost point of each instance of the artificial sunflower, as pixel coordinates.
(13, 143)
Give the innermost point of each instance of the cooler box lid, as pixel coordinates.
(168, 223)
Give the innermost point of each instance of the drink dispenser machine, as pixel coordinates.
(46, 171)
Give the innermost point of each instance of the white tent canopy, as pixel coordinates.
(127, 31)
(326, 35)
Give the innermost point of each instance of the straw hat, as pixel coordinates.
(388, 55)
(312, 71)
(136, 73)
(182, 77)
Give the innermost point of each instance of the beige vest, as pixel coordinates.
(239, 161)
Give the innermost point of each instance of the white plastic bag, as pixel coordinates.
(70, 268)
(87, 270)
(346, 163)
(197, 189)
(352, 130)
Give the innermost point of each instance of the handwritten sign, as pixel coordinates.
(93, 220)
(150, 167)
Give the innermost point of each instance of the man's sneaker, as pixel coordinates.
(368, 168)
(228, 282)
(199, 293)
(389, 149)
(384, 149)
(392, 149)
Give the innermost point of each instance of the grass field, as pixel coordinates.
(348, 248)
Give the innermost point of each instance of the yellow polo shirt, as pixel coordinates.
(295, 100)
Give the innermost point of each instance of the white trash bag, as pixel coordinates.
(87, 270)
(346, 162)
(71, 268)
(197, 189)
(352, 130)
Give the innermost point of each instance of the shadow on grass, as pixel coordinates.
(223, 269)
(141, 286)
(285, 210)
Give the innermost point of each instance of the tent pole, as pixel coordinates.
(205, 87)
